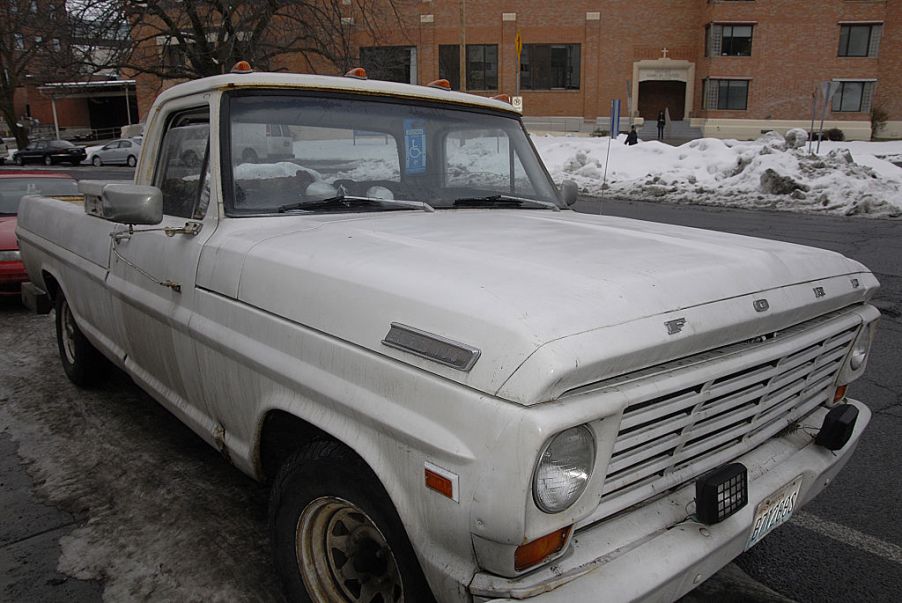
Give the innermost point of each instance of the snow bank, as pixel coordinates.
(846, 178)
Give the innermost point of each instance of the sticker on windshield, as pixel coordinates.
(414, 147)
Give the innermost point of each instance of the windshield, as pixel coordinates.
(288, 150)
(13, 189)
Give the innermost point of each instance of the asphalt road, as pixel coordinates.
(150, 500)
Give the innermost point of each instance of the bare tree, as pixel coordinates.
(171, 39)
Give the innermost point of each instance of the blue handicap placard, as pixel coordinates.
(414, 147)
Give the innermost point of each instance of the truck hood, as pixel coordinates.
(509, 282)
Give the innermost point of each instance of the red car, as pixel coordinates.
(13, 186)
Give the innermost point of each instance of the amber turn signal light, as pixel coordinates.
(840, 393)
(504, 98)
(533, 553)
(242, 67)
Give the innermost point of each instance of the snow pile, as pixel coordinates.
(264, 171)
(771, 172)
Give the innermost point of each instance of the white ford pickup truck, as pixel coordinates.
(459, 388)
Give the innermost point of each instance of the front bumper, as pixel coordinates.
(655, 552)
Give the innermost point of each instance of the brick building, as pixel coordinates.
(728, 68)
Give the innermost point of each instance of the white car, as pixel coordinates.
(118, 152)
(459, 388)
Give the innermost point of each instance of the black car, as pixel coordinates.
(50, 152)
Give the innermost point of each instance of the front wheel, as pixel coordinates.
(97, 161)
(336, 535)
(83, 364)
(131, 161)
(20, 161)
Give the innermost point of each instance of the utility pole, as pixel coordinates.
(462, 57)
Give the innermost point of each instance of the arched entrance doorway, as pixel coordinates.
(657, 96)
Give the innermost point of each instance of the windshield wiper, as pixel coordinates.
(349, 201)
(502, 201)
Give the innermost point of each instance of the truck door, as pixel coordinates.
(152, 271)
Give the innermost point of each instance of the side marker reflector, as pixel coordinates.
(442, 481)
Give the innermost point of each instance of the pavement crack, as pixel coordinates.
(36, 534)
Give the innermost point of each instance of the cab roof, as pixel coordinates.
(330, 83)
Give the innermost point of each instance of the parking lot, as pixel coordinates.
(107, 487)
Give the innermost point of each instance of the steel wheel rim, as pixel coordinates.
(68, 323)
(343, 556)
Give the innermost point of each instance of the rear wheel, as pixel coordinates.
(83, 364)
(249, 156)
(336, 535)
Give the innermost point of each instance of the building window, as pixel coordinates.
(449, 64)
(729, 40)
(482, 66)
(727, 95)
(859, 40)
(174, 56)
(390, 63)
(20, 41)
(55, 43)
(549, 67)
(853, 97)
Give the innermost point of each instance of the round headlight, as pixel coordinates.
(860, 349)
(564, 468)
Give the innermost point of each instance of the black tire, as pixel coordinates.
(131, 161)
(20, 161)
(48, 160)
(249, 156)
(328, 471)
(83, 364)
(96, 161)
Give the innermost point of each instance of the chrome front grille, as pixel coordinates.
(685, 419)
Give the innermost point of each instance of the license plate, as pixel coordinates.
(773, 511)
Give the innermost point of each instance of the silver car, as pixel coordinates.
(122, 151)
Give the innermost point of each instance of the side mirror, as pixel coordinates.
(569, 192)
(132, 204)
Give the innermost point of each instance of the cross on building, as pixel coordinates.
(664, 52)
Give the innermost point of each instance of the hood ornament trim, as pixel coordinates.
(433, 347)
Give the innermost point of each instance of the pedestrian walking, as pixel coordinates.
(632, 138)
(662, 121)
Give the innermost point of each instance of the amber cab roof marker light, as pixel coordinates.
(504, 98)
(440, 84)
(358, 73)
(242, 67)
